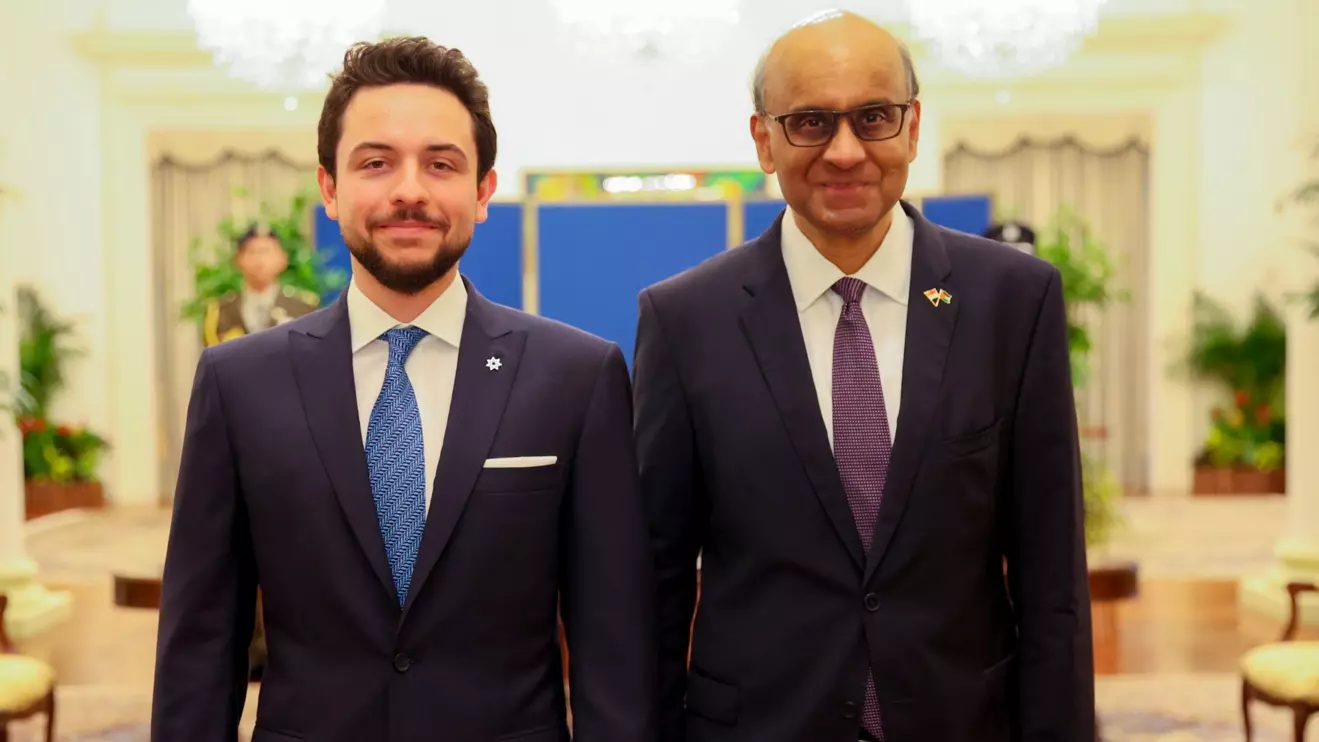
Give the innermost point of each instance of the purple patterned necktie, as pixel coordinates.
(862, 442)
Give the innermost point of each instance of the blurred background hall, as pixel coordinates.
(1163, 153)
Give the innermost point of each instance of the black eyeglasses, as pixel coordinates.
(873, 123)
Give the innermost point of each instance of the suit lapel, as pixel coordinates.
(770, 322)
(929, 334)
(323, 366)
(480, 395)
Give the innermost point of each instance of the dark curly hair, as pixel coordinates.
(406, 60)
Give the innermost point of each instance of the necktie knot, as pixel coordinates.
(850, 289)
(402, 341)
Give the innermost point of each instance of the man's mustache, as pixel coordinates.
(409, 215)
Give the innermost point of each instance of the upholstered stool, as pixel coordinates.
(27, 685)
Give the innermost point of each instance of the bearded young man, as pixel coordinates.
(419, 480)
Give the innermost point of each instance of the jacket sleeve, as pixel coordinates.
(1047, 573)
(676, 507)
(208, 594)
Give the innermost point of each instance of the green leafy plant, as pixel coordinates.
(1102, 493)
(59, 453)
(1087, 276)
(44, 351)
(51, 452)
(214, 272)
(1248, 367)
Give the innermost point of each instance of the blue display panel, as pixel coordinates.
(970, 214)
(758, 216)
(596, 258)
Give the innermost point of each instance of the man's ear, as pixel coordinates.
(485, 190)
(760, 133)
(914, 130)
(328, 192)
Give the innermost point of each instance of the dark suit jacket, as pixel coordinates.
(735, 462)
(273, 489)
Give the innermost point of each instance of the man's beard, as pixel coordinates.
(405, 279)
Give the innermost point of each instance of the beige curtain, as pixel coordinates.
(190, 197)
(1107, 184)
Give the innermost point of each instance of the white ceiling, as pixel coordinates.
(430, 16)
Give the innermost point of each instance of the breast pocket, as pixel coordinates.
(522, 479)
(967, 475)
(971, 443)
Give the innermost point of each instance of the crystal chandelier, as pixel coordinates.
(284, 44)
(1004, 38)
(646, 27)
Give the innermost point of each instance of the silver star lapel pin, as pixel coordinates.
(493, 363)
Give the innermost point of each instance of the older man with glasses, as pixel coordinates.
(863, 425)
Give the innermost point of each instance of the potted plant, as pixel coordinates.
(215, 275)
(1244, 451)
(1087, 277)
(60, 461)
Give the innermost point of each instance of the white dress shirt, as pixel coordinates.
(431, 368)
(255, 306)
(887, 276)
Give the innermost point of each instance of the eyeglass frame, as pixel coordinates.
(902, 121)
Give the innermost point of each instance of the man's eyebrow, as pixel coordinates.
(380, 146)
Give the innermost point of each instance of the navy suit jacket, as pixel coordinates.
(736, 465)
(273, 491)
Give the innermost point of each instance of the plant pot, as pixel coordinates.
(44, 498)
(1238, 480)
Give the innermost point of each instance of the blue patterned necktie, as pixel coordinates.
(862, 442)
(396, 460)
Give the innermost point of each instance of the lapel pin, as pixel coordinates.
(945, 297)
(933, 296)
(493, 363)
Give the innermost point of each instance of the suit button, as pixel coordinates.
(872, 602)
(402, 662)
(849, 710)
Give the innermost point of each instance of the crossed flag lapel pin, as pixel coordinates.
(938, 296)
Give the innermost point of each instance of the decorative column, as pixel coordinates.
(33, 610)
(1298, 545)
(1298, 548)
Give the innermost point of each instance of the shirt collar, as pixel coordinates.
(268, 294)
(811, 274)
(443, 318)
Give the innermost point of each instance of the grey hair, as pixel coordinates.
(758, 77)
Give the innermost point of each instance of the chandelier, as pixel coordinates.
(284, 44)
(1004, 38)
(646, 27)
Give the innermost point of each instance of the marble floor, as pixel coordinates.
(1160, 692)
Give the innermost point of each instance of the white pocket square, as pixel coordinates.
(520, 462)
